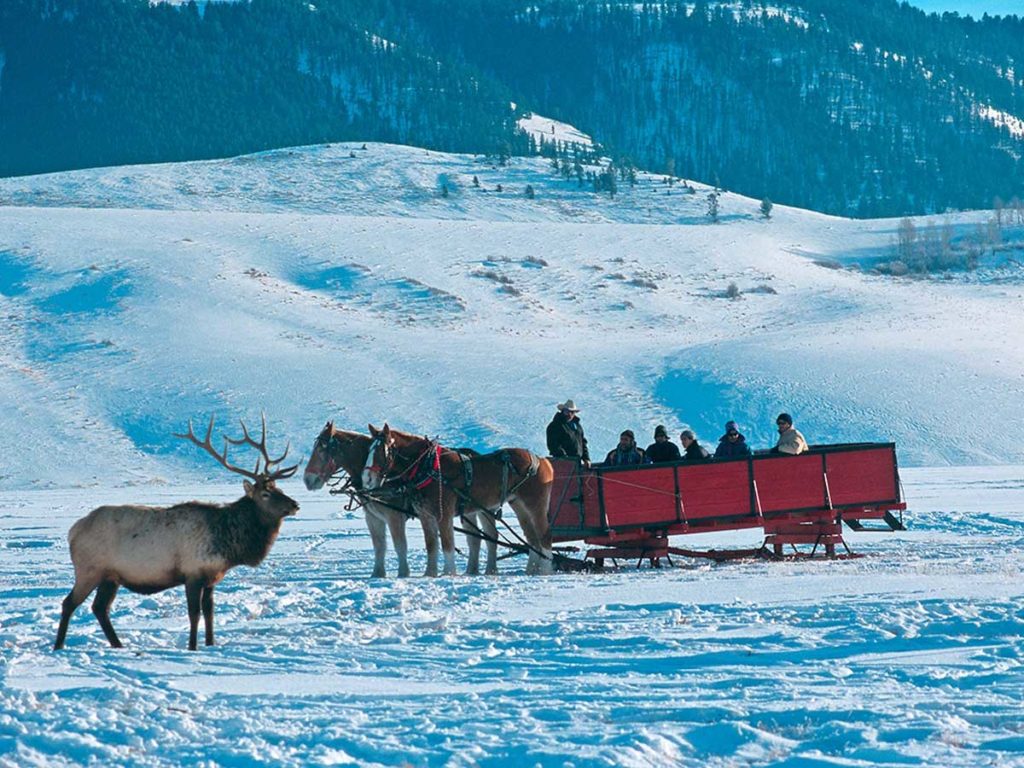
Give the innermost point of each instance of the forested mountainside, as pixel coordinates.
(870, 108)
(107, 82)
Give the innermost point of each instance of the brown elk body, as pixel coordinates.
(150, 549)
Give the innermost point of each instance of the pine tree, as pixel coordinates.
(530, 194)
(713, 196)
(766, 208)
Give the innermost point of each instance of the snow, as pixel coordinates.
(910, 655)
(546, 129)
(1002, 119)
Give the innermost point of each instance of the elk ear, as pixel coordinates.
(386, 431)
(250, 489)
(329, 427)
(373, 430)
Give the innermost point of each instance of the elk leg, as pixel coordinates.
(207, 606)
(378, 535)
(396, 524)
(101, 610)
(193, 595)
(74, 599)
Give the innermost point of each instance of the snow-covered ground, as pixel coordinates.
(908, 656)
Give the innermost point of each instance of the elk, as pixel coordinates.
(150, 549)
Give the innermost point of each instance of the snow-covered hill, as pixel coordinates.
(338, 282)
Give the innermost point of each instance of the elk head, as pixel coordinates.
(263, 486)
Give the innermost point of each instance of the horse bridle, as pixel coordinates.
(387, 473)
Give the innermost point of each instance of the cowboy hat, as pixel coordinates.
(568, 405)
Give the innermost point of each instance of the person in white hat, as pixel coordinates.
(565, 434)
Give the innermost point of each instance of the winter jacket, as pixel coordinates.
(565, 438)
(696, 452)
(618, 458)
(729, 450)
(791, 442)
(667, 451)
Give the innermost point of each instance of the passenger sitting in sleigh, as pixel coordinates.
(626, 452)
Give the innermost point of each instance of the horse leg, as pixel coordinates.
(446, 523)
(396, 524)
(379, 538)
(430, 538)
(471, 522)
(490, 530)
(534, 522)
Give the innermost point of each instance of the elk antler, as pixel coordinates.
(222, 457)
(261, 446)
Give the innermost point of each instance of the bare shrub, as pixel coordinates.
(490, 274)
(640, 282)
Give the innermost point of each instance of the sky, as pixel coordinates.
(973, 7)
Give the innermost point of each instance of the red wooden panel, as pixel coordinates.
(592, 517)
(569, 487)
(644, 496)
(790, 482)
(715, 490)
(564, 511)
(862, 476)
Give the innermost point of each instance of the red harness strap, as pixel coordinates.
(413, 471)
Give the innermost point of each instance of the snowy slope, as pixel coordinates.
(135, 298)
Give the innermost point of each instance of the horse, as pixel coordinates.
(481, 482)
(338, 449)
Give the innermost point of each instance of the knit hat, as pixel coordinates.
(785, 418)
(730, 428)
(660, 430)
(628, 433)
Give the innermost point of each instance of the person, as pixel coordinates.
(790, 440)
(565, 434)
(662, 449)
(732, 443)
(626, 452)
(693, 451)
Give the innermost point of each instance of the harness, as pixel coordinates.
(419, 475)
